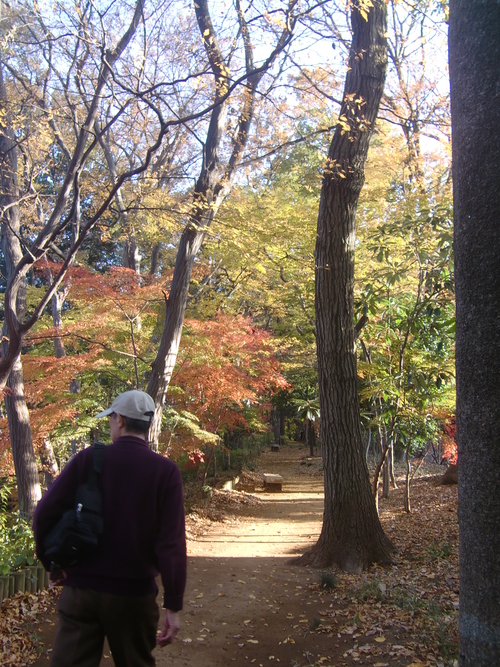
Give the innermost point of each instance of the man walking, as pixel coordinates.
(113, 593)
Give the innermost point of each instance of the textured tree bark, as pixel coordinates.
(351, 537)
(474, 50)
(28, 483)
(49, 463)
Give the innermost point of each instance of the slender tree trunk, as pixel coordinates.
(407, 503)
(386, 476)
(351, 537)
(474, 47)
(166, 356)
(212, 186)
(28, 484)
(282, 428)
(275, 424)
(393, 477)
(155, 258)
(384, 448)
(58, 299)
(368, 445)
(131, 256)
(388, 472)
(57, 302)
(49, 463)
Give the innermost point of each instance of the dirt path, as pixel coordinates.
(245, 604)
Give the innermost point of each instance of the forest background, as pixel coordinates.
(134, 133)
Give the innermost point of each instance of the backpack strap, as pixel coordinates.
(94, 479)
(98, 456)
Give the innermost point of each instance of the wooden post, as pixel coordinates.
(40, 570)
(20, 581)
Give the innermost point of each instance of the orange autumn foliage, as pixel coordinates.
(450, 451)
(225, 375)
(225, 365)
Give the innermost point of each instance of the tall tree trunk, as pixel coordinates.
(351, 537)
(163, 367)
(212, 186)
(28, 483)
(474, 48)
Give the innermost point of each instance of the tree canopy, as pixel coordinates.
(162, 167)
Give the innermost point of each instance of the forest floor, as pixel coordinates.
(245, 603)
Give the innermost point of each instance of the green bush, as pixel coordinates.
(17, 544)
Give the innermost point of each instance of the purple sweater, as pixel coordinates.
(143, 522)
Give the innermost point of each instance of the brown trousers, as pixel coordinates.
(86, 617)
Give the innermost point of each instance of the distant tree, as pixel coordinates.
(474, 49)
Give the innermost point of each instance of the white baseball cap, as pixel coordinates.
(134, 404)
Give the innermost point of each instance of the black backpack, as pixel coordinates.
(76, 536)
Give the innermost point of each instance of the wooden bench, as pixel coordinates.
(275, 448)
(272, 482)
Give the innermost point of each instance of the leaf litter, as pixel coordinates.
(20, 618)
(403, 616)
(408, 611)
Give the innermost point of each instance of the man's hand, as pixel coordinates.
(56, 577)
(169, 628)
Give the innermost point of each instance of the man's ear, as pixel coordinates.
(121, 421)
